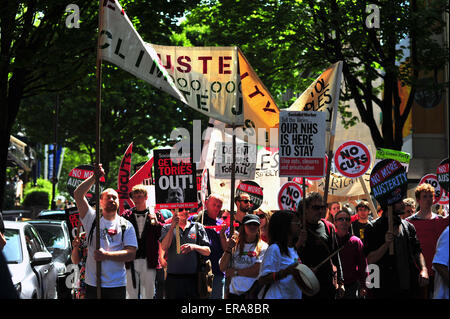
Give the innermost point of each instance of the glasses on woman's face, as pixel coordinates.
(343, 219)
(261, 216)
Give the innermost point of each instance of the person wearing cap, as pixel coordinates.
(360, 225)
(243, 256)
(141, 272)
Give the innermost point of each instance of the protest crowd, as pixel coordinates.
(318, 251)
(181, 241)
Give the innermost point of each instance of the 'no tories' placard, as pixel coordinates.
(302, 143)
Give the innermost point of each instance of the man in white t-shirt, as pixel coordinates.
(440, 265)
(117, 241)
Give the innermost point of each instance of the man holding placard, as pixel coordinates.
(392, 243)
(181, 281)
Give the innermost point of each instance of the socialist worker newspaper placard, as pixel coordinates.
(175, 180)
(302, 143)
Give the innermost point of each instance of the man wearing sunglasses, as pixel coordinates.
(318, 242)
(244, 206)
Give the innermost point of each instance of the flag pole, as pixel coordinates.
(97, 147)
(332, 131)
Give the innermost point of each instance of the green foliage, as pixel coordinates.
(39, 194)
(289, 43)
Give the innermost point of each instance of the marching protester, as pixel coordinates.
(410, 207)
(403, 272)
(352, 256)
(141, 272)
(332, 209)
(264, 216)
(244, 206)
(181, 281)
(242, 258)
(78, 257)
(278, 266)
(359, 226)
(320, 242)
(118, 242)
(424, 194)
(217, 241)
(440, 265)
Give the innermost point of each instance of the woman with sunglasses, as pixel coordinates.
(245, 251)
(264, 217)
(354, 262)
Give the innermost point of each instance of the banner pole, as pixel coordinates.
(97, 147)
(369, 200)
(336, 94)
(177, 234)
(304, 204)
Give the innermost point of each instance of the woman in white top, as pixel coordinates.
(242, 258)
(278, 266)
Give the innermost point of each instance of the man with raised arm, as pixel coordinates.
(117, 241)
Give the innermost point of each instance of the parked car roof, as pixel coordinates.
(52, 214)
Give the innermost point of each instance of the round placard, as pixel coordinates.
(289, 196)
(253, 190)
(352, 159)
(442, 174)
(388, 182)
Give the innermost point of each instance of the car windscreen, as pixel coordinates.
(13, 249)
(52, 235)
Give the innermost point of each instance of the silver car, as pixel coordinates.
(30, 263)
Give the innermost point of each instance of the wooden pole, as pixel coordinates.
(327, 176)
(369, 200)
(177, 234)
(97, 147)
(304, 204)
(391, 228)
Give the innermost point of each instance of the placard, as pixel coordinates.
(388, 182)
(175, 180)
(442, 174)
(253, 190)
(289, 196)
(385, 153)
(78, 175)
(302, 143)
(245, 165)
(352, 159)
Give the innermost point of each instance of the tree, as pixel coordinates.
(290, 42)
(39, 53)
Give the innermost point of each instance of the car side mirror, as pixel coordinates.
(41, 258)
